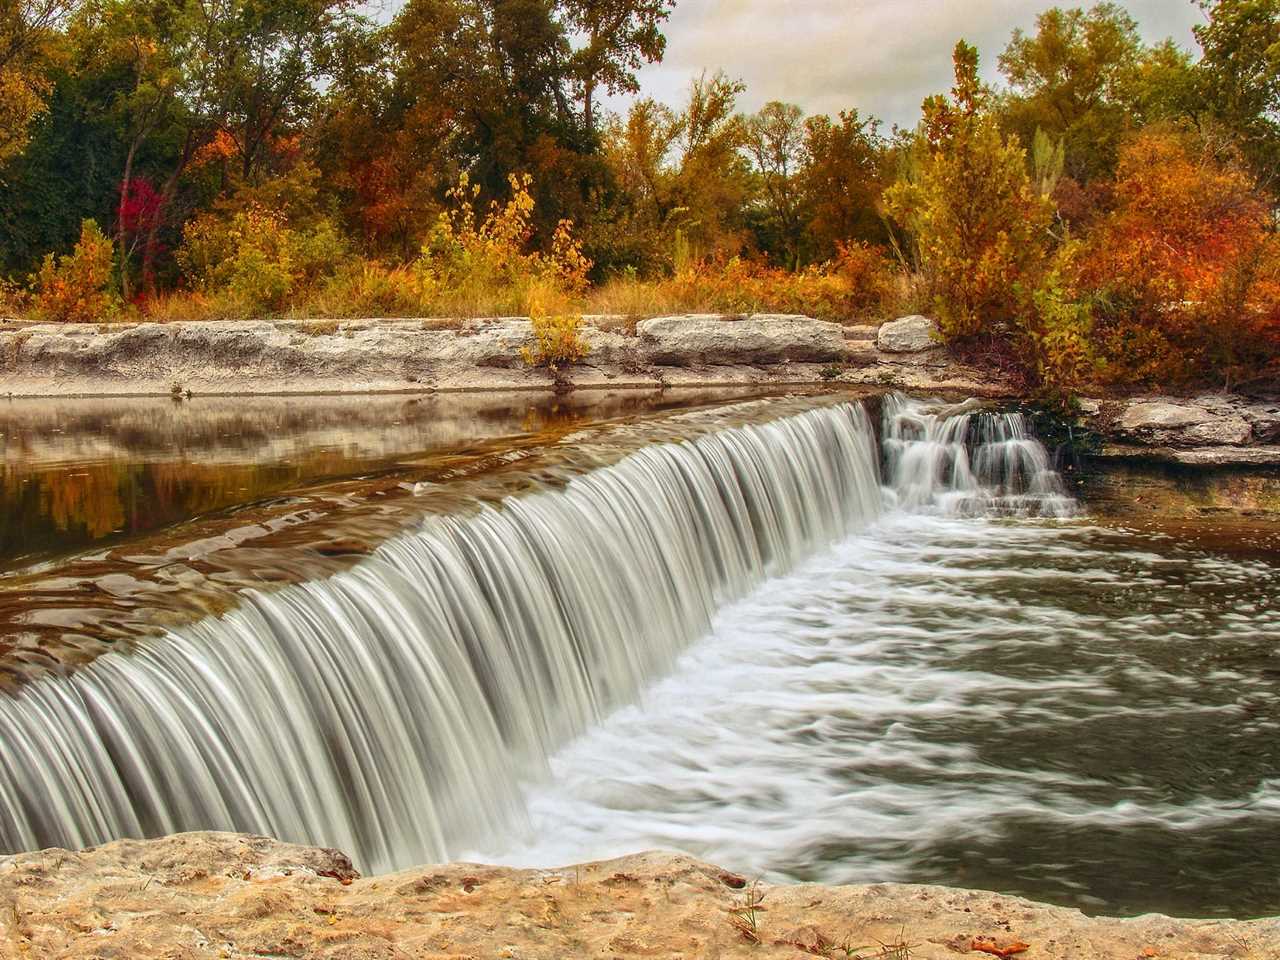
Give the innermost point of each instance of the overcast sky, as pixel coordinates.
(880, 56)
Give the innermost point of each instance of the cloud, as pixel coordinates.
(880, 56)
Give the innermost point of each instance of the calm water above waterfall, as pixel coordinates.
(790, 637)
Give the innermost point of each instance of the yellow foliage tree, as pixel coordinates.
(980, 225)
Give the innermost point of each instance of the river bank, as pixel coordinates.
(426, 355)
(227, 895)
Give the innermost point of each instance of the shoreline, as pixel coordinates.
(232, 895)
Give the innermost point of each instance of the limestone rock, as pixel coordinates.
(696, 340)
(913, 334)
(860, 331)
(208, 895)
(1201, 422)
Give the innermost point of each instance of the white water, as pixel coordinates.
(432, 701)
(906, 704)
(392, 710)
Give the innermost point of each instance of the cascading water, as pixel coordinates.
(962, 458)
(391, 709)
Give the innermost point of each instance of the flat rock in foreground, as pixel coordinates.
(225, 895)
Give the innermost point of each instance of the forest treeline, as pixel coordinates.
(1105, 213)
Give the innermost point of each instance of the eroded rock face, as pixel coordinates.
(914, 334)
(712, 340)
(206, 895)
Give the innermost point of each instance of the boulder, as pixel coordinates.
(914, 334)
(698, 340)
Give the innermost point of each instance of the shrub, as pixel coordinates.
(557, 340)
(859, 283)
(471, 263)
(78, 287)
(365, 288)
(1180, 267)
(252, 261)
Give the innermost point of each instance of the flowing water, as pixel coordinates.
(789, 643)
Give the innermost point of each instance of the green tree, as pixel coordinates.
(1238, 76)
(27, 29)
(775, 141)
(1083, 77)
(620, 36)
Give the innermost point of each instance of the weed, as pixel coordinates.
(746, 919)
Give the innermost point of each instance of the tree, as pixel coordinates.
(1238, 76)
(843, 179)
(775, 142)
(980, 226)
(1183, 266)
(712, 180)
(498, 76)
(619, 37)
(1081, 78)
(26, 30)
(638, 151)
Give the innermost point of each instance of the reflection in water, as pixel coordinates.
(79, 473)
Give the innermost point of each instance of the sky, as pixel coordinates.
(880, 56)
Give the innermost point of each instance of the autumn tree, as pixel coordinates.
(27, 28)
(712, 180)
(979, 224)
(619, 37)
(846, 170)
(638, 151)
(1183, 268)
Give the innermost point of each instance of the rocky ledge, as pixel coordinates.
(220, 895)
(1198, 431)
(362, 356)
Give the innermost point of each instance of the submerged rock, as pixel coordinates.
(207, 895)
(913, 334)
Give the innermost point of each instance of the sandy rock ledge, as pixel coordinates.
(226, 895)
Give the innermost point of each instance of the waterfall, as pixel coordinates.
(965, 459)
(393, 709)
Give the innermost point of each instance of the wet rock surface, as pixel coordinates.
(226, 895)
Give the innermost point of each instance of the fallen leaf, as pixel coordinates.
(987, 945)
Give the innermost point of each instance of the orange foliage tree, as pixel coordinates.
(1183, 270)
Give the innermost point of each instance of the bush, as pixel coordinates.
(252, 261)
(78, 287)
(1181, 268)
(556, 340)
(471, 264)
(364, 288)
(859, 284)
